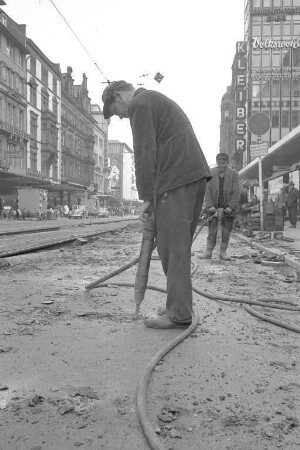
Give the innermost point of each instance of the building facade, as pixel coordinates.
(77, 139)
(13, 123)
(43, 115)
(121, 177)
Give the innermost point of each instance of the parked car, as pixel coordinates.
(103, 212)
(79, 212)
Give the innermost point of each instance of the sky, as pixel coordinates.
(191, 42)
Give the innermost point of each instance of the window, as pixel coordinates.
(287, 3)
(276, 33)
(285, 88)
(44, 76)
(33, 125)
(296, 57)
(296, 2)
(266, 30)
(266, 58)
(256, 59)
(256, 30)
(5, 74)
(265, 89)
(45, 100)
(287, 29)
(275, 88)
(295, 118)
(285, 119)
(4, 20)
(33, 65)
(8, 48)
(33, 160)
(18, 84)
(256, 3)
(55, 107)
(296, 29)
(296, 88)
(286, 58)
(276, 59)
(54, 85)
(21, 120)
(33, 93)
(267, 3)
(275, 119)
(276, 3)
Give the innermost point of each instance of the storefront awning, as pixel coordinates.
(282, 156)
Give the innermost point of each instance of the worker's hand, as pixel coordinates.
(212, 209)
(228, 210)
(144, 210)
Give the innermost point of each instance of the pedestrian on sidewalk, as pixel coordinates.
(244, 209)
(292, 203)
(171, 176)
(281, 201)
(222, 192)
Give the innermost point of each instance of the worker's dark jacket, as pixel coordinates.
(231, 189)
(166, 151)
(292, 197)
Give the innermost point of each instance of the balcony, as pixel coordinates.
(12, 130)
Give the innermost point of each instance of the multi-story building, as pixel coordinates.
(272, 33)
(77, 174)
(13, 136)
(43, 115)
(121, 176)
(100, 147)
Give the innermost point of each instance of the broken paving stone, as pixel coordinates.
(3, 388)
(175, 434)
(5, 349)
(47, 302)
(66, 408)
(164, 418)
(83, 391)
(35, 400)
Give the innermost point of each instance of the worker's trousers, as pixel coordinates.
(227, 225)
(293, 214)
(177, 215)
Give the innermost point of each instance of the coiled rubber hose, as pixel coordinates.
(142, 410)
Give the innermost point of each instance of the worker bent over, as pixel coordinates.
(171, 175)
(222, 192)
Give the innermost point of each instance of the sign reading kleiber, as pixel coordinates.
(241, 97)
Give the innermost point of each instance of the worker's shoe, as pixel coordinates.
(206, 255)
(164, 323)
(161, 310)
(223, 255)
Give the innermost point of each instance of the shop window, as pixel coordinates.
(285, 119)
(287, 29)
(296, 2)
(296, 29)
(287, 3)
(275, 119)
(296, 57)
(276, 3)
(267, 3)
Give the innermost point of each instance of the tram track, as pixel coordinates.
(32, 240)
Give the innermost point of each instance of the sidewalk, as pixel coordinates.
(289, 250)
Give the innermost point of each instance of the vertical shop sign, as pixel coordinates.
(240, 96)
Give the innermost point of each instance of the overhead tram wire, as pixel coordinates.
(80, 42)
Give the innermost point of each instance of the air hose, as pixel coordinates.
(142, 410)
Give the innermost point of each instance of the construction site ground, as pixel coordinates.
(70, 359)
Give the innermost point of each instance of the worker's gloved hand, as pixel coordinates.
(146, 210)
(228, 210)
(212, 210)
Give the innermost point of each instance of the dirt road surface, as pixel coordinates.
(70, 359)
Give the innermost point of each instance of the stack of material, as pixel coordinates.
(273, 219)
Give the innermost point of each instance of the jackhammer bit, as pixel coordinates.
(141, 278)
